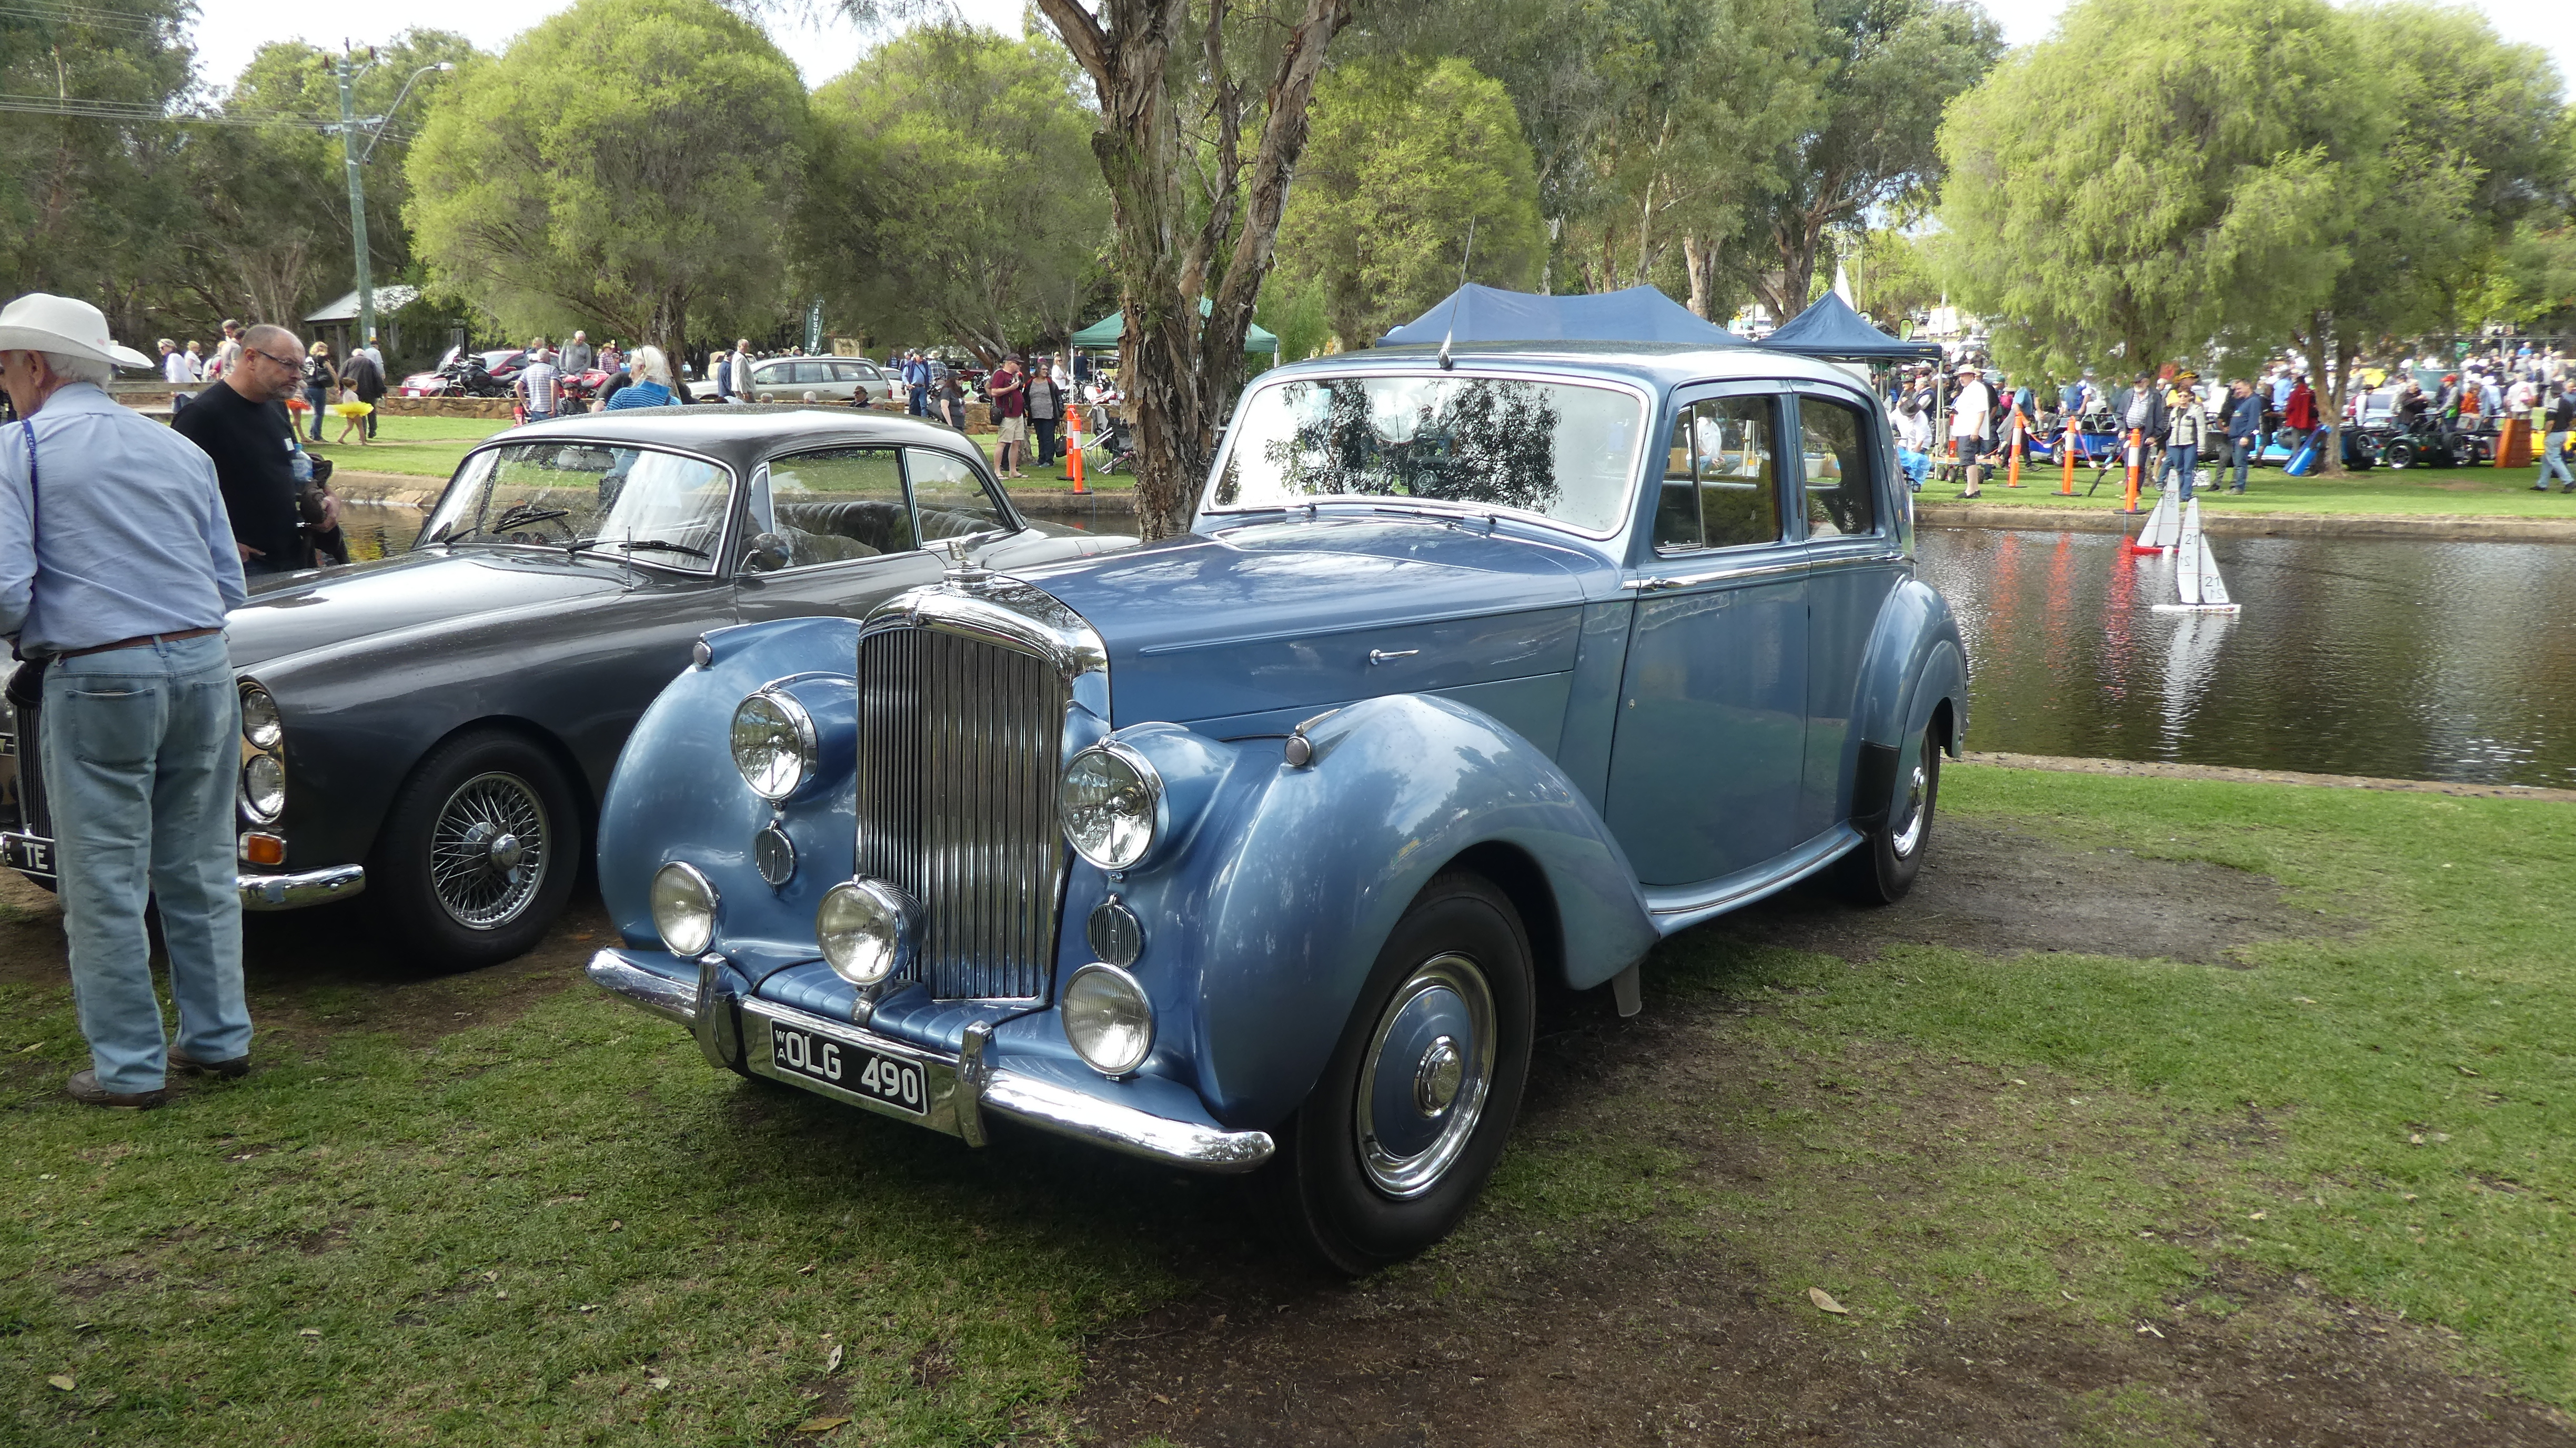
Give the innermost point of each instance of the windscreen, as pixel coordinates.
(656, 506)
(1557, 449)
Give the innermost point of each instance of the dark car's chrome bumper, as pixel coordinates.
(294, 892)
(962, 1089)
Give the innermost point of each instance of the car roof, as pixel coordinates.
(741, 435)
(1658, 365)
(804, 357)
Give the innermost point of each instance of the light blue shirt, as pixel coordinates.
(127, 536)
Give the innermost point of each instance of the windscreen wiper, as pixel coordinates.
(631, 544)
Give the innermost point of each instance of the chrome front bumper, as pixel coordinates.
(963, 1089)
(294, 892)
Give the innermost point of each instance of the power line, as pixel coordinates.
(61, 13)
(137, 111)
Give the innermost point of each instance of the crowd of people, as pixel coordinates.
(1962, 422)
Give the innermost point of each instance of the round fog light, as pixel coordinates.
(684, 909)
(263, 787)
(866, 928)
(1108, 1019)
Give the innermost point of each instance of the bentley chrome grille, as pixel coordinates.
(960, 742)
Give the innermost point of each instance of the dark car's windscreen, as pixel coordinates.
(658, 506)
(1558, 449)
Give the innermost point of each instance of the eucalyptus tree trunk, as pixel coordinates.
(1181, 371)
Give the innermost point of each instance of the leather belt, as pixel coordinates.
(138, 641)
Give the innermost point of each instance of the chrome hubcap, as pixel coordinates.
(1424, 1081)
(1909, 832)
(487, 852)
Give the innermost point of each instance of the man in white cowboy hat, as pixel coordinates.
(1970, 413)
(117, 564)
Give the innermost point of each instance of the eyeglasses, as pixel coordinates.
(295, 365)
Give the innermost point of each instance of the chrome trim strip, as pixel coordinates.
(658, 995)
(1681, 911)
(1720, 575)
(1854, 560)
(294, 892)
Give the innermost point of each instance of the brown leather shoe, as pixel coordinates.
(84, 1087)
(232, 1070)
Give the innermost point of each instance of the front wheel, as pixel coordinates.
(1890, 854)
(2400, 453)
(1412, 1110)
(478, 854)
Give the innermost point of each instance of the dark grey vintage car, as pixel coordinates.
(435, 729)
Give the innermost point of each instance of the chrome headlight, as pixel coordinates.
(867, 930)
(1108, 1019)
(260, 724)
(684, 909)
(263, 787)
(1111, 802)
(773, 743)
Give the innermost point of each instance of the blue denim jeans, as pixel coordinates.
(2182, 459)
(141, 749)
(2553, 460)
(2244, 448)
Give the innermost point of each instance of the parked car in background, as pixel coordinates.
(830, 379)
(435, 729)
(467, 374)
(1251, 849)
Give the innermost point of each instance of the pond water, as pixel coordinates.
(2361, 656)
(2353, 656)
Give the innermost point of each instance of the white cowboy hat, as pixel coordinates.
(38, 322)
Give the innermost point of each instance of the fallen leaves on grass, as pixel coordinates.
(832, 1364)
(61, 1381)
(1825, 1302)
(821, 1425)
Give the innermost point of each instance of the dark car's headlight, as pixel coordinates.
(260, 724)
(263, 787)
(684, 909)
(773, 743)
(1111, 802)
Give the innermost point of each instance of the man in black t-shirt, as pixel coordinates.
(241, 424)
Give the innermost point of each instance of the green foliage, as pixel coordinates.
(85, 202)
(268, 237)
(2155, 171)
(953, 191)
(2536, 274)
(629, 164)
(1402, 160)
(1292, 310)
(1893, 275)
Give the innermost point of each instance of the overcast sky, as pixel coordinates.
(229, 31)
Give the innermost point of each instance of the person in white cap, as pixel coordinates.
(1970, 412)
(117, 565)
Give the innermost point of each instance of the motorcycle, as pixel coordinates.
(465, 374)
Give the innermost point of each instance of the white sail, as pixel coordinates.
(2162, 530)
(2195, 571)
(2213, 589)
(2186, 576)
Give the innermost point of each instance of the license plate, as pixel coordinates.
(890, 1079)
(31, 853)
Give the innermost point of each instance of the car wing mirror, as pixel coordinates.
(768, 553)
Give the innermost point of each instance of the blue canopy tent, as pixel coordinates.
(1488, 314)
(1831, 329)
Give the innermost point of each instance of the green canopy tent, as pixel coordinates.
(1106, 333)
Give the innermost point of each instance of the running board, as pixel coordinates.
(1678, 908)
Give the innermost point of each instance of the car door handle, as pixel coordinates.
(1379, 656)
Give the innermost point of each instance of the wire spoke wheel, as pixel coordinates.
(488, 850)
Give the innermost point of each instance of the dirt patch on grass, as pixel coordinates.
(1997, 890)
(1639, 1271)
(1634, 1342)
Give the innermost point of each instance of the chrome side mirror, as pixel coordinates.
(769, 553)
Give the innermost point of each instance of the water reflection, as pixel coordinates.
(2353, 656)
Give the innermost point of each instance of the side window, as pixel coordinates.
(1834, 444)
(1721, 477)
(953, 501)
(807, 372)
(838, 504)
(771, 376)
(853, 372)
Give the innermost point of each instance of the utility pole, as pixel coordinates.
(355, 157)
(357, 191)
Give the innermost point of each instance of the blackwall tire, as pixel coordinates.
(1882, 869)
(478, 853)
(1414, 1107)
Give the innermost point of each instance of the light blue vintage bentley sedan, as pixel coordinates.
(1250, 849)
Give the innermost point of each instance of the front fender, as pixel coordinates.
(1262, 931)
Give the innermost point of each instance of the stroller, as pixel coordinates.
(1108, 445)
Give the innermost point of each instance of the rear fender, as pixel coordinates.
(1915, 664)
(1262, 928)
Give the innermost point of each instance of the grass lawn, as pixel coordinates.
(423, 447)
(500, 1209)
(2486, 492)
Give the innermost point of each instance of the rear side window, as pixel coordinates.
(813, 372)
(1721, 484)
(853, 372)
(837, 504)
(1834, 446)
